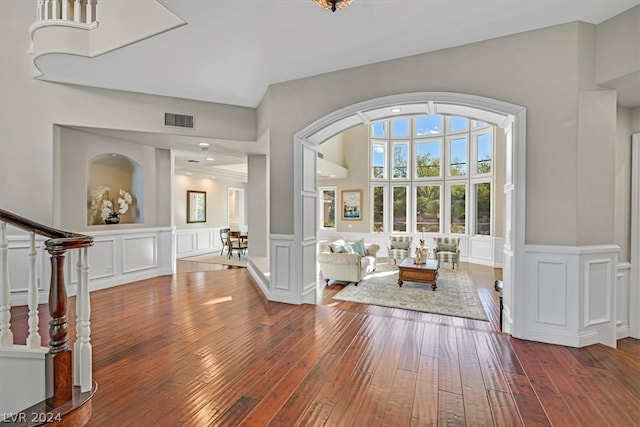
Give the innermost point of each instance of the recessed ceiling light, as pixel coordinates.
(210, 159)
(203, 144)
(396, 110)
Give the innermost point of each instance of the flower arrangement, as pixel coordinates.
(107, 207)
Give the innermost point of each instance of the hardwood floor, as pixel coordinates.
(204, 348)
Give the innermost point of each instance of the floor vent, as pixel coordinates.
(179, 120)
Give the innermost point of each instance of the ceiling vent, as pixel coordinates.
(179, 120)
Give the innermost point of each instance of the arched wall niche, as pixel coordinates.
(116, 172)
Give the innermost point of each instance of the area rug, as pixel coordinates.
(217, 259)
(456, 295)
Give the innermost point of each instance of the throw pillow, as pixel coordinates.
(338, 246)
(357, 246)
(400, 245)
(446, 247)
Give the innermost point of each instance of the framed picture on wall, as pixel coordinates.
(196, 206)
(352, 205)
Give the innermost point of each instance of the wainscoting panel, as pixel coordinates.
(623, 300)
(551, 298)
(102, 258)
(309, 274)
(281, 281)
(309, 217)
(139, 253)
(204, 240)
(597, 292)
(197, 241)
(185, 243)
(569, 294)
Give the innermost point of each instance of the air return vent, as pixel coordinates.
(179, 120)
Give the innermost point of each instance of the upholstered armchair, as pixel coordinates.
(399, 247)
(447, 249)
(347, 261)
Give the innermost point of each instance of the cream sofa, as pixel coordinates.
(340, 260)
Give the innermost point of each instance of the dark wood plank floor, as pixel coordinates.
(204, 348)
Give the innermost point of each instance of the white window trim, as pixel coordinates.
(407, 186)
(414, 159)
(472, 204)
(414, 206)
(447, 199)
(474, 151)
(407, 143)
(385, 174)
(462, 135)
(385, 206)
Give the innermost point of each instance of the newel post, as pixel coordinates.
(59, 353)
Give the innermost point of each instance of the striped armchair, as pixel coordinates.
(447, 249)
(399, 247)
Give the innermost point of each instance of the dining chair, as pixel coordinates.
(236, 243)
(224, 237)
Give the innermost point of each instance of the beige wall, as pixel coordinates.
(537, 70)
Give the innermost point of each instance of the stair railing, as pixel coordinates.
(63, 375)
(78, 11)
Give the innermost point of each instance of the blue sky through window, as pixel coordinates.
(430, 148)
(378, 155)
(400, 128)
(484, 146)
(377, 130)
(428, 125)
(459, 123)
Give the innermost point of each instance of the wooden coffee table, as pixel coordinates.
(423, 273)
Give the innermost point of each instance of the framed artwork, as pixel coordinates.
(352, 205)
(196, 206)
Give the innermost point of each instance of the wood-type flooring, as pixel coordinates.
(204, 348)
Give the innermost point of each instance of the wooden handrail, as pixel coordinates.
(59, 239)
(59, 242)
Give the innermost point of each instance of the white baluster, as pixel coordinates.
(6, 336)
(76, 11)
(89, 11)
(54, 9)
(65, 10)
(82, 346)
(40, 10)
(33, 340)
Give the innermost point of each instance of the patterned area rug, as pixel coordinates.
(217, 259)
(456, 295)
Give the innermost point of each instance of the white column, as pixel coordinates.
(33, 340)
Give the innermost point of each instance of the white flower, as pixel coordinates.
(105, 206)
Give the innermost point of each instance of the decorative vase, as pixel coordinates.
(112, 220)
(422, 253)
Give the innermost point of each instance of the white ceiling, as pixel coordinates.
(230, 51)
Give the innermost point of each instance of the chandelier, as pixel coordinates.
(333, 4)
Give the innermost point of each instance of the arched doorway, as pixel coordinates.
(509, 117)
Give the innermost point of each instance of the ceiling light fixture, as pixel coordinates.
(332, 4)
(396, 110)
(203, 144)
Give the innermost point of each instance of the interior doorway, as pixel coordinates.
(509, 117)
